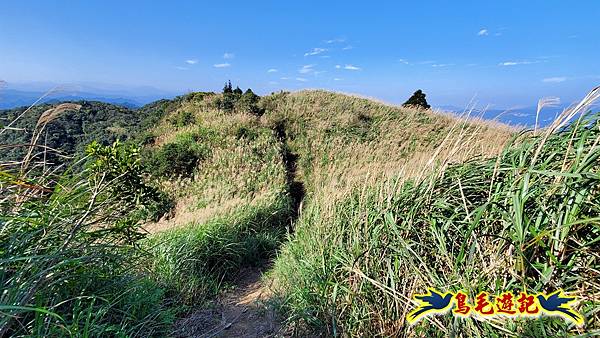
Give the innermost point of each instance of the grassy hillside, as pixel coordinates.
(73, 129)
(234, 206)
(357, 204)
(463, 209)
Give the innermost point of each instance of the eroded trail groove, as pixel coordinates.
(244, 310)
(295, 186)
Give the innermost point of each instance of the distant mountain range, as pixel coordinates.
(523, 116)
(12, 95)
(13, 98)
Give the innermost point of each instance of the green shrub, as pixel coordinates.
(248, 103)
(179, 158)
(121, 165)
(417, 100)
(69, 265)
(182, 119)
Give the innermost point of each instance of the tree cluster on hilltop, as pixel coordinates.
(236, 100)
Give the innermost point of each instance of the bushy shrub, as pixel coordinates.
(235, 100)
(417, 100)
(182, 119)
(68, 256)
(121, 165)
(248, 103)
(179, 158)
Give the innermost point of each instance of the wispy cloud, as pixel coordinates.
(404, 61)
(228, 56)
(439, 65)
(347, 48)
(272, 70)
(191, 61)
(483, 32)
(556, 79)
(301, 79)
(221, 65)
(306, 69)
(178, 67)
(338, 66)
(337, 40)
(351, 67)
(428, 62)
(517, 63)
(284, 78)
(337, 79)
(315, 51)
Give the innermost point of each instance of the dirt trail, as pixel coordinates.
(241, 312)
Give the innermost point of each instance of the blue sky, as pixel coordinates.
(502, 53)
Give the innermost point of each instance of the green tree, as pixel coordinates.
(248, 102)
(417, 100)
(227, 89)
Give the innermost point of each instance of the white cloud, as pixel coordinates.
(338, 66)
(337, 79)
(191, 61)
(556, 79)
(351, 67)
(228, 56)
(301, 79)
(273, 83)
(517, 63)
(429, 62)
(338, 40)
(306, 69)
(272, 70)
(315, 51)
(347, 48)
(483, 32)
(178, 67)
(438, 65)
(285, 78)
(221, 65)
(404, 61)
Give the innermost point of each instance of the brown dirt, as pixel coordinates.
(241, 312)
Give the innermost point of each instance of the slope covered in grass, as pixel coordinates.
(465, 219)
(233, 205)
(358, 204)
(341, 139)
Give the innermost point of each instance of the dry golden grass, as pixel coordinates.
(366, 241)
(238, 171)
(353, 140)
